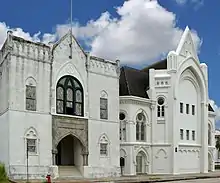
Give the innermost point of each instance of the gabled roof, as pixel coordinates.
(73, 39)
(134, 82)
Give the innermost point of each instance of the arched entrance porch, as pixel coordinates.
(141, 163)
(69, 157)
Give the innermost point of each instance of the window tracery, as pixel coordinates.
(69, 96)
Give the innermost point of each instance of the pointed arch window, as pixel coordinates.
(31, 141)
(69, 96)
(122, 132)
(30, 94)
(104, 146)
(160, 107)
(103, 105)
(140, 127)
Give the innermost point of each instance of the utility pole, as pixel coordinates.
(71, 29)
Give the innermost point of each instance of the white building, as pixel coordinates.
(63, 105)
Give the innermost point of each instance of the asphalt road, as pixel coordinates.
(200, 181)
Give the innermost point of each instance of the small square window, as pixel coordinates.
(187, 134)
(187, 108)
(181, 107)
(31, 146)
(181, 134)
(193, 109)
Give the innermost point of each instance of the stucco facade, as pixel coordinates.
(69, 113)
(178, 123)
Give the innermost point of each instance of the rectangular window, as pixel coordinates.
(31, 146)
(103, 149)
(162, 111)
(181, 134)
(187, 108)
(193, 135)
(30, 98)
(181, 107)
(158, 111)
(103, 108)
(187, 134)
(193, 109)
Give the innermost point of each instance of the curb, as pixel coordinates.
(166, 180)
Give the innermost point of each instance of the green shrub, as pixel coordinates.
(3, 173)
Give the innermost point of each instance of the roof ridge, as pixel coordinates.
(127, 84)
(153, 64)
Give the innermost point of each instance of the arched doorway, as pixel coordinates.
(209, 162)
(69, 157)
(141, 163)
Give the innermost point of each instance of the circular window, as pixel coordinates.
(140, 117)
(160, 101)
(121, 116)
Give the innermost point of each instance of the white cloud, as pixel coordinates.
(181, 2)
(195, 3)
(143, 31)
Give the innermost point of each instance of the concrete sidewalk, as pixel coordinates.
(135, 179)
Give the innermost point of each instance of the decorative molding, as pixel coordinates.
(136, 100)
(63, 126)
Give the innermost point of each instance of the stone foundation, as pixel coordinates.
(100, 172)
(34, 172)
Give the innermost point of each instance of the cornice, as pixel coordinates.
(136, 100)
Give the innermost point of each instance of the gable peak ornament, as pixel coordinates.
(186, 47)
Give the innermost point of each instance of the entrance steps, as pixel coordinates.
(69, 171)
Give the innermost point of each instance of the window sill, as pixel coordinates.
(104, 156)
(32, 154)
(69, 116)
(160, 120)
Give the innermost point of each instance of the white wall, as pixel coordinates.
(102, 78)
(19, 123)
(4, 136)
(29, 60)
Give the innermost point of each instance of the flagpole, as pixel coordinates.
(71, 20)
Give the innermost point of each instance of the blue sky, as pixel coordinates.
(152, 29)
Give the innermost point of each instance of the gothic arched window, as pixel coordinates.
(69, 96)
(31, 141)
(122, 132)
(140, 127)
(160, 107)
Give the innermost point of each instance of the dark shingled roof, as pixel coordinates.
(211, 109)
(135, 82)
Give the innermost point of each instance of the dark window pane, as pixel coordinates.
(142, 131)
(103, 103)
(103, 114)
(60, 93)
(62, 81)
(137, 131)
(78, 96)
(59, 106)
(69, 94)
(31, 104)
(69, 104)
(78, 109)
(30, 92)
